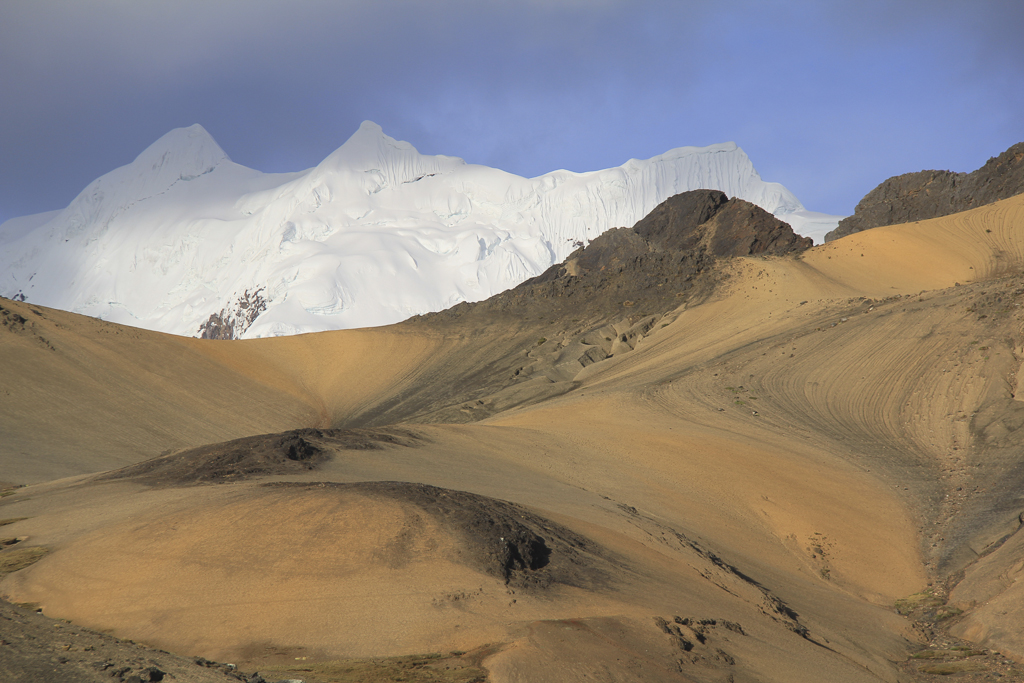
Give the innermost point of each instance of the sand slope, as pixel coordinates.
(824, 436)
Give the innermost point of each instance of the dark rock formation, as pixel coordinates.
(13, 322)
(745, 229)
(231, 324)
(649, 267)
(218, 326)
(693, 227)
(930, 194)
(285, 453)
(600, 302)
(673, 223)
(505, 540)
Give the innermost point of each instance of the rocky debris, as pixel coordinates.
(942, 654)
(14, 322)
(435, 667)
(693, 638)
(295, 451)
(930, 194)
(35, 648)
(232, 671)
(502, 539)
(232, 324)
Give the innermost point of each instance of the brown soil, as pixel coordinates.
(37, 649)
(802, 450)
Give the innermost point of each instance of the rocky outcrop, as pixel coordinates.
(297, 451)
(673, 224)
(650, 266)
(232, 323)
(930, 194)
(496, 537)
(709, 220)
(601, 301)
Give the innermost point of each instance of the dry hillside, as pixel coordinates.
(795, 467)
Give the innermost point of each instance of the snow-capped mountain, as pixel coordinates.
(183, 240)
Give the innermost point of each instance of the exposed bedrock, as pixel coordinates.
(930, 194)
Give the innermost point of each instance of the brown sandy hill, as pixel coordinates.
(83, 395)
(78, 395)
(250, 573)
(764, 472)
(930, 194)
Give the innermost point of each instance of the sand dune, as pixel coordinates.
(823, 437)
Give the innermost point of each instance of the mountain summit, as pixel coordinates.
(184, 154)
(368, 146)
(183, 240)
(188, 152)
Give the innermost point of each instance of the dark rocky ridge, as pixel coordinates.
(650, 267)
(930, 194)
(600, 302)
(291, 452)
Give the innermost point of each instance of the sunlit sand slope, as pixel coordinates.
(824, 436)
(79, 395)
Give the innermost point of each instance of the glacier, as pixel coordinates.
(185, 241)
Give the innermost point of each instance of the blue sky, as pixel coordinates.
(828, 98)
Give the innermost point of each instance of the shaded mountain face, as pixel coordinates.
(930, 194)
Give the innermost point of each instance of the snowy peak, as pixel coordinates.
(370, 136)
(771, 196)
(384, 160)
(366, 149)
(182, 154)
(184, 241)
